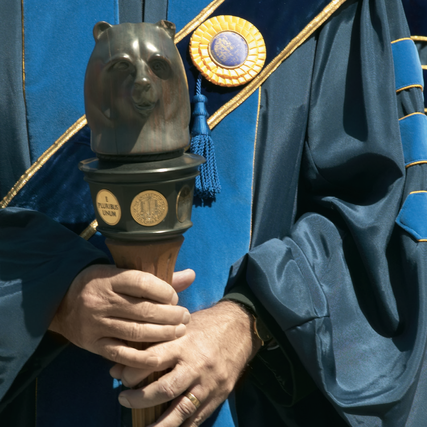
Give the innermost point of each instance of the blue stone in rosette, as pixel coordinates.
(229, 49)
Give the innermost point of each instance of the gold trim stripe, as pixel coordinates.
(90, 230)
(409, 115)
(399, 40)
(192, 25)
(415, 163)
(419, 38)
(409, 87)
(253, 165)
(274, 64)
(424, 67)
(42, 160)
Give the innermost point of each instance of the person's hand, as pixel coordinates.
(206, 362)
(106, 305)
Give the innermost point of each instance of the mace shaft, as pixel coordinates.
(158, 258)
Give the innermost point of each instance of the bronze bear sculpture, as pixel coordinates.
(136, 92)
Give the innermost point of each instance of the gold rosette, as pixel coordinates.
(228, 51)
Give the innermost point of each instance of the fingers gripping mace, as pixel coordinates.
(141, 182)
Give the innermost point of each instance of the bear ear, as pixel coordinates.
(168, 26)
(99, 28)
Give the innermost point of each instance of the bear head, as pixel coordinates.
(136, 92)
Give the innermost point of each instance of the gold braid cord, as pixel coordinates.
(419, 38)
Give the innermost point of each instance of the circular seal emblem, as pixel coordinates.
(184, 204)
(149, 208)
(228, 51)
(108, 207)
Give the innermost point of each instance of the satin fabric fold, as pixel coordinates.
(342, 281)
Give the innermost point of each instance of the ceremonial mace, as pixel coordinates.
(141, 182)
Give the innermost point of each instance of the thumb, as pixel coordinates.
(183, 279)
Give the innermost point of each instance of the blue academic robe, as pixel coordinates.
(313, 179)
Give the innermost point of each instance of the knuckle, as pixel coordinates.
(140, 280)
(205, 363)
(185, 408)
(147, 310)
(113, 354)
(136, 332)
(137, 280)
(223, 377)
(88, 300)
(167, 389)
(223, 382)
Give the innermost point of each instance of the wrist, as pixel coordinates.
(243, 321)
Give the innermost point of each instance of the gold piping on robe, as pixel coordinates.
(42, 160)
(274, 64)
(419, 38)
(415, 163)
(192, 25)
(409, 115)
(399, 40)
(410, 87)
(90, 230)
(253, 164)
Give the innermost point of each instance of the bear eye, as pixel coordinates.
(160, 67)
(121, 65)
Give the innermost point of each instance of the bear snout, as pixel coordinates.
(143, 95)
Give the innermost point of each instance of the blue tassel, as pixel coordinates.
(207, 183)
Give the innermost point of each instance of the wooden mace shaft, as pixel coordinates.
(158, 258)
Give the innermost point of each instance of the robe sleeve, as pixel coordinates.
(39, 259)
(345, 286)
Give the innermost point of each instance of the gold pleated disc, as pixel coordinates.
(228, 51)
